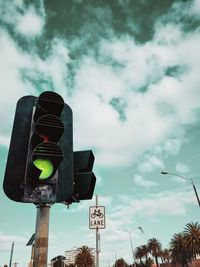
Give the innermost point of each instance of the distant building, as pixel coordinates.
(70, 256)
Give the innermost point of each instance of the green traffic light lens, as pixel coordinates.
(46, 166)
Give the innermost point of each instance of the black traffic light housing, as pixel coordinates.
(17, 155)
(84, 178)
(40, 159)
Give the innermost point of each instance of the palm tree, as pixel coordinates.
(84, 258)
(166, 255)
(145, 252)
(139, 254)
(154, 247)
(179, 253)
(192, 236)
(149, 262)
(120, 263)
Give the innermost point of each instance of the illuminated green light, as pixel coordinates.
(46, 166)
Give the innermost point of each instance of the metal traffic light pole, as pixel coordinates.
(41, 236)
(97, 239)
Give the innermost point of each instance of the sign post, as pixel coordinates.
(97, 221)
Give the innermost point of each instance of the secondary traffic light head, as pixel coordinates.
(84, 178)
(40, 161)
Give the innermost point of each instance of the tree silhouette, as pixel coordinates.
(84, 258)
(120, 263)
(154, 247)
(192, 237)
(139, 253)
(179, 252)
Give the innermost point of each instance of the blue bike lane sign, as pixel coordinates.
(97, 217)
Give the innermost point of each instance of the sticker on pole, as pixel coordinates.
(97, 217)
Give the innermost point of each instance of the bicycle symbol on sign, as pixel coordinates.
(97, 213)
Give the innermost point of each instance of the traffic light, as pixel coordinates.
(84, 178)
(40, 160)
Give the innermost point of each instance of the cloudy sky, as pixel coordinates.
(130, 72)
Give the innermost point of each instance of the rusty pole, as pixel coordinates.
(41, 236)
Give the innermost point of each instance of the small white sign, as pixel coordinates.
(97, 217)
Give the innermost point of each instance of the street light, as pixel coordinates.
(189, 180)
(129, 232)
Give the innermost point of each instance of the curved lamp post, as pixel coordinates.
(189, 180)
(129, 232)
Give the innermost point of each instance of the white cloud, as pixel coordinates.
(55, 66)
(157, 205)
(172, 146)
(6, 241)
(12, 83)
(8, 12)
(169, 103)
(4, 141)
(84, 205)
(164, 150)
(12, 87)
(150, 164)
(30, 23)
(26, 21)
(139, 179)
(182, 168)
(195, 9)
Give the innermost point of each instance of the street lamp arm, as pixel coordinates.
(189, 180)
(139, 227)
